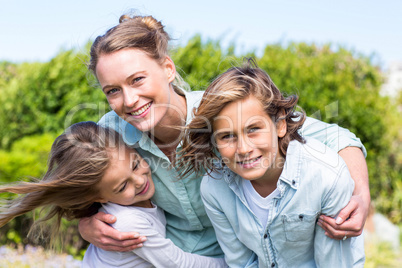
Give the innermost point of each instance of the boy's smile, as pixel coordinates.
(247, 139)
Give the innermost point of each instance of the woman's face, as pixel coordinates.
(136, 86)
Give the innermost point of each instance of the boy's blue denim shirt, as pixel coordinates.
(315, 180)
(188, 225)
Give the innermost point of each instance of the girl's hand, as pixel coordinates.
(97, 231)
(350, 221)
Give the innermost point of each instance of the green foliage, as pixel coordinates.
(199, 62)
(47, 97)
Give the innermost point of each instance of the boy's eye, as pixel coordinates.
(123, 187)
(253, 129)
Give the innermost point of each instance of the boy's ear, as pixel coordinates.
(281, 128)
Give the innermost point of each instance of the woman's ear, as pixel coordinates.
(170, 69)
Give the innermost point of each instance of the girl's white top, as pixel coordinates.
(157, 251)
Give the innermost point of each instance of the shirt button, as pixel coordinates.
(265, 235)
(272, 264)
(189, 211)
(293, 182)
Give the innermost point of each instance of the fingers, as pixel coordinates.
(334, 230)
(121, 246)
(97, 231)
(347, 211)
(106, 218)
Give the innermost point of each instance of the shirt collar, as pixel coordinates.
(290, 174)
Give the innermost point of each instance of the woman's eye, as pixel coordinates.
(123, 187)
(111, 91)
(137, 79)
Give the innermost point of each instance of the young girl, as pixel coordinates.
(265, 195)
(88, 164)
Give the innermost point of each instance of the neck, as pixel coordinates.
(266, 185)
(144, 204)
(168, 133)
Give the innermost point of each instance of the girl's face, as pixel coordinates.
(127, 181)
(137, 87)
(247, 140)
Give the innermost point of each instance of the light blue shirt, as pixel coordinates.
(188, 225)
(314, 181)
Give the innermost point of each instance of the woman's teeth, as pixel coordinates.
(140, 111)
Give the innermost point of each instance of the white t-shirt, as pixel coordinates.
(258, 204)
(157, 251)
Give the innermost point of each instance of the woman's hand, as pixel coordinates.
(97, 231)
(350, 220)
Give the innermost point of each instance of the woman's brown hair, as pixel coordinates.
(199, 151)
(135, 32)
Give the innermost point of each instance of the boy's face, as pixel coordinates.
(127, 181)
(247, 140)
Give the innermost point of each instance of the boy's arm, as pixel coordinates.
(328, 251)
(358, 207)
(353, 152)
(236, 253)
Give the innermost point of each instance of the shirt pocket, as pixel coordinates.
(299, 227)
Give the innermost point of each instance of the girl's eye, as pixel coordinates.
(135, 164)
(113, 90)
(123, 187)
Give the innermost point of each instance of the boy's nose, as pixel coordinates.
(243, 146)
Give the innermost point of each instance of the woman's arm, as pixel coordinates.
(352, 151)
(97, 231)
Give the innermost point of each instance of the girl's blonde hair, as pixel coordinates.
(199, 151)
(138, 32)
(77, 162)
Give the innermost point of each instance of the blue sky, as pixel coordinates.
(38, 30)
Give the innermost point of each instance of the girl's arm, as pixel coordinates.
(97, 231)
(236, 253)
(352, 151)
(160, 251)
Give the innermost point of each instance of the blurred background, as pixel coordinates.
(343, 58)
